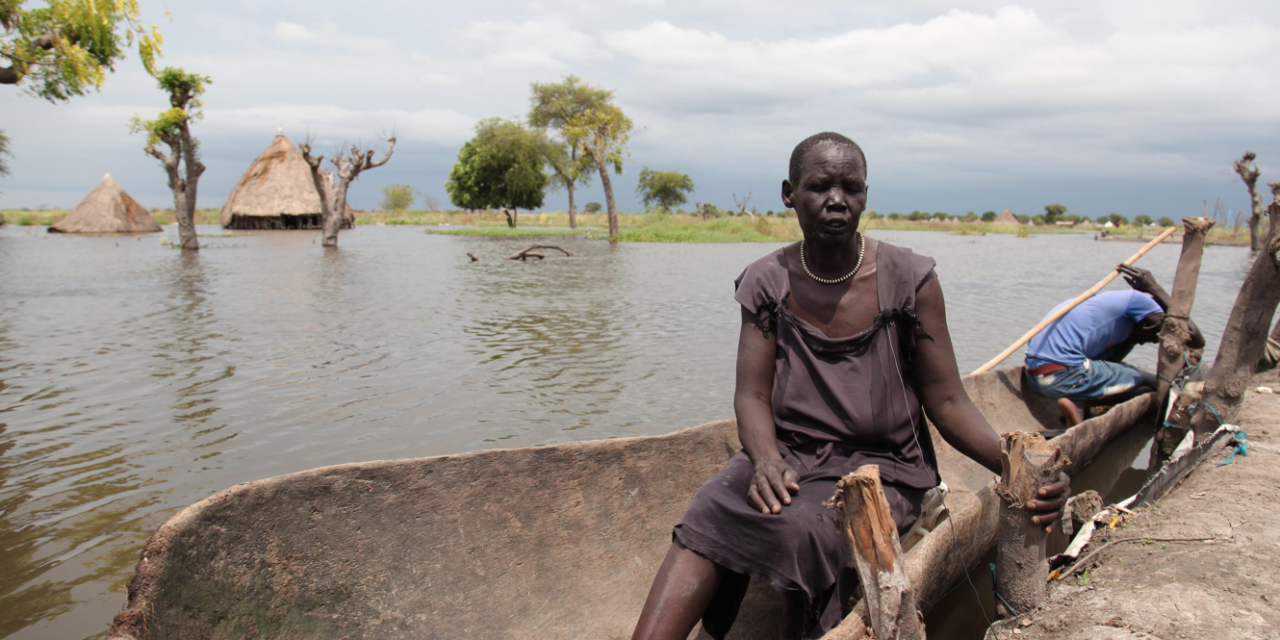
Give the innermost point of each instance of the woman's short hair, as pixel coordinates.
(810, 143)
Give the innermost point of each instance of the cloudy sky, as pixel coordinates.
(1134, 107)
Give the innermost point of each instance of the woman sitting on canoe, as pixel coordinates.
(843, 342)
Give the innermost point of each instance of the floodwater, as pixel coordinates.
(136, 379)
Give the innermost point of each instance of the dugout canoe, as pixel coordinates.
(560, 541)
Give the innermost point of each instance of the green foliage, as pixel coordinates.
(971, 217)
(551, 106)
(1118, 220)
(941, 215)
(1142, 220)
(989, 216)
(184, 91)
(665, 189)
(738, 229)
(711, 211)
(895, 216)
(501, 167)
(398, 197)
(593, 207)
(918, 215)
(1039, 219)
(1166, 221)
(1102, 219)
(1054, 212)
(1022, 232)
(65, 47)
(1022, 218)
(4, 151)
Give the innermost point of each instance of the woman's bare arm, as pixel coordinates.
(950, 409)
(774, 480)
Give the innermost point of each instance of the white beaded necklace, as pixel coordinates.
(862, 247)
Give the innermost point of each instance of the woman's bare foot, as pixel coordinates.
(1071, 414)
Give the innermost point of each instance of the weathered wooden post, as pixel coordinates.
(1177, 330)
(1244, 338)
(887, 592)
(1028, 463)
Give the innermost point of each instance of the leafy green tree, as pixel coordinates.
(552, 106)
(941, 215)
(894, 215)
(971, 217)
(398, 197)
(1102, 219)
(1118, 220)
(1054, 212)
(173, 129)
(1022, 218)
(665, 189)
(4, 151)
(1142, 220)
(500, 168)
(989, 216)
(601, 132)
(1166, 221)
(65, 47)
(592, 207)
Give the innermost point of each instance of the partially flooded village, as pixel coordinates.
(627, 320)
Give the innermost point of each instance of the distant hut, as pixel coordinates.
(276, 192)
(107, 209)
(1006, 218)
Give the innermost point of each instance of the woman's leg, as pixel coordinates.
(685, 584)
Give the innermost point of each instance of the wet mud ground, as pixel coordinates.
(1225, 588)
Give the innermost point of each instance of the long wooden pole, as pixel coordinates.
(1071, 305)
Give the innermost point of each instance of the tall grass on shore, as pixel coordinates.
(663, 228)
(47, 217)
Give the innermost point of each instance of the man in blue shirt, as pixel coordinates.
(1077, 359)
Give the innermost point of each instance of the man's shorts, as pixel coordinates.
(1093, 380)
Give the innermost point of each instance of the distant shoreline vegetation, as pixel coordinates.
(649, 227)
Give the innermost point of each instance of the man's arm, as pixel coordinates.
(774, 480)
(950, 409)
(1142, 280)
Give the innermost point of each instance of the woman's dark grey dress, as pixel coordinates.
(838, 404)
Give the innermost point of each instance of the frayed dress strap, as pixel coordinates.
(901, 273)
(763, 288)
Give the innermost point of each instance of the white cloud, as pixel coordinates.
(292, 33)
(530, 44)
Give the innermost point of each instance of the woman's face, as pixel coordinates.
(830, 195)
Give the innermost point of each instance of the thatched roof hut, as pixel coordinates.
(276, 192)
(107, 209)
(1006, 218)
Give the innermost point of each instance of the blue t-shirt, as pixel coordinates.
(1088, 330)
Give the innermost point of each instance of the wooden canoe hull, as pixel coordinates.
(547, 542)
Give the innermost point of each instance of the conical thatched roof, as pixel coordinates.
(278, 184)
(1006, 218)
(107, 209)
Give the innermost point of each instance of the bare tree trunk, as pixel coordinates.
(182, 159)
(350, 165)
(573, 213)
(1021, 568)
(1244, 338)
(511, 216)
(877, 554)
(608, 192)
(1177, 325)
(1249, 174)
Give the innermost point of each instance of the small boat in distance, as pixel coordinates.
(549, 542)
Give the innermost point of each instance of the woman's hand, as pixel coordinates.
(1047, 507)
(772, 485)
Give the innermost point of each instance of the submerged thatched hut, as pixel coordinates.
(1006, 218)
(276, 192)
(107, 209)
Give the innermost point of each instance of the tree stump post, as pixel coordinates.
(1244, 339)
(864, 512)
(1022, 571)
(1177, 324)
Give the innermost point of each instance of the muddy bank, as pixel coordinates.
(1228, 587)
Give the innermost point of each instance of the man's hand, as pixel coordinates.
(1047, 507)
(1139, 279)
(772, 485)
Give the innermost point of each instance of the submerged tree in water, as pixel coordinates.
(333, 187)
(173, 129)
(1249, 173)
(552, 106)
(601, 133)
